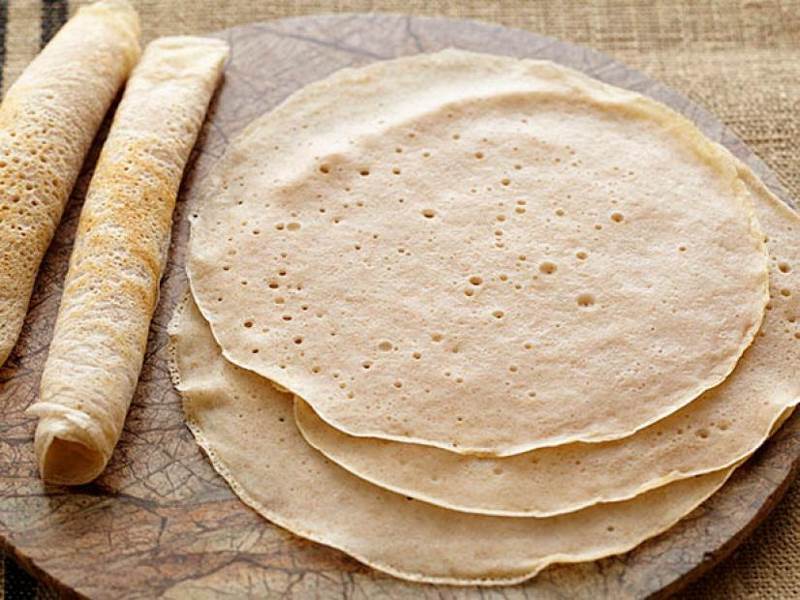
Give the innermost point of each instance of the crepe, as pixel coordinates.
(246, 427)
(47, 121)
(715, 431)
(479, 253)
(111, 289)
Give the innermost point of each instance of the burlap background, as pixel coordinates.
(741, 60)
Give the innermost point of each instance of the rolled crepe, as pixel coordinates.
(47, 122)
(111, 289)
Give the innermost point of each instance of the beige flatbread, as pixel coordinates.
(47, 121)
(246, 428)
(111, 289)
(715, 431)
(479, 253)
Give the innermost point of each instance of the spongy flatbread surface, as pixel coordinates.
(479, 253)
(47, 121)
(246, 428)
(724, 425)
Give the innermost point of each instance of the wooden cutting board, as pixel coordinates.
(160, 522)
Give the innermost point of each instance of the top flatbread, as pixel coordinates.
(479, 253)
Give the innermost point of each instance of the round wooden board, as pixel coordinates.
(160, 522)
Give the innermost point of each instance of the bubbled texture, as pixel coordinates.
(47, 122)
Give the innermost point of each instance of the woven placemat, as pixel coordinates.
(739, 59)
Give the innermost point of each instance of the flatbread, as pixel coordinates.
(479, 253)
(48, 119)
(246, 427)
(111, 289)
(715, 431)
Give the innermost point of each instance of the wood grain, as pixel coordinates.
(161, 523)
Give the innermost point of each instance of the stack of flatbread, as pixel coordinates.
(464, 316)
